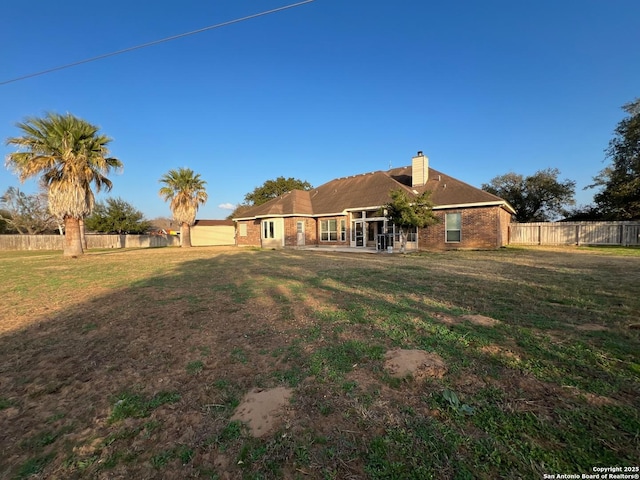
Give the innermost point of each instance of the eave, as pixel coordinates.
(503, 204)
(275, 215)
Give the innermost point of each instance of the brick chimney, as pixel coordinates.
(419, 170)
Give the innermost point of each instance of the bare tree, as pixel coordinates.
(26, 214)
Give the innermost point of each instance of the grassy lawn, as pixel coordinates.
(131, 363)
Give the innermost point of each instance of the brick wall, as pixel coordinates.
(482, 227)
(291, 231)
(253, 234)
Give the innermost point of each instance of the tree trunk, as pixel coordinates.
(72, 240)
(403, 241)
(185, 235)
(83, 237)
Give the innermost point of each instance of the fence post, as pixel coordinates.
(539, 235)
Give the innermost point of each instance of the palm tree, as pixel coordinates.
(186, 191)
(70, 155)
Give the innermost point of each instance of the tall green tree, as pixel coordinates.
(117, 216)
(619, 198)
(186, 191)
(26, 214)
(410, 212)
(540, 197)
(70, 155)
(274, 188)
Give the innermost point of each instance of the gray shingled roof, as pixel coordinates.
(370, 190)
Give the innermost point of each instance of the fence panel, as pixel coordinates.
(599, 234)
(557, 234)
(524, 234)
(31, 242)
(132, 241)
(575, 233)
(631, 235)
(56, 242)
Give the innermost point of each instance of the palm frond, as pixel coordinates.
(69, 155)
(185, 190)
(67, 199)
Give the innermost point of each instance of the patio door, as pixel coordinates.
(357, 233)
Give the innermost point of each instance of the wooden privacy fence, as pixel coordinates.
(575, 233)
(56, 242)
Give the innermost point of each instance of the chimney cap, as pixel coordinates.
(420, 153)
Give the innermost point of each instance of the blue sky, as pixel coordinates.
(328, 89)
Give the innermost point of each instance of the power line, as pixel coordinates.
(155, 42)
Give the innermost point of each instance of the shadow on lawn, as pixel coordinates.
(260, 319)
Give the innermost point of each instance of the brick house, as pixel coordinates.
(349, 212)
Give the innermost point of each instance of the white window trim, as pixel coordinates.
(328, 231)
(447, 229)
(272, 230)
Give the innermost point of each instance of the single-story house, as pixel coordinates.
(212, 232)
(349, 212)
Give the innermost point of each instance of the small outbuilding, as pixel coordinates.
(206, 233)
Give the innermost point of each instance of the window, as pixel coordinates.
(328, 230)
(453, 227)
(268, 229)
(343, 230)
(242, 229)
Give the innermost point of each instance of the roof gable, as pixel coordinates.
(296, 202)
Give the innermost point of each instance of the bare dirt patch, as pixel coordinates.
(480, 320)
(417, 363)
(592, 327)
(262, 410)
(599, 400)
(446, 319)
(499, 351)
